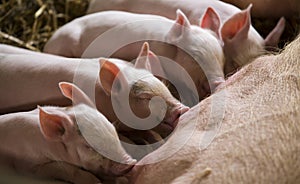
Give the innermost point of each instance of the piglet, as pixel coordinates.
(9, 49)
(4, 48)
(73, 144)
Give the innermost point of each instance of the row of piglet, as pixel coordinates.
(211, 38)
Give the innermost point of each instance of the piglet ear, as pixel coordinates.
(156, 67)
(211, 20)
(110, 76)
(273, 37)
(75, 94)
(54, 125)
(237, 27)
(181, 19)
(149, 61)
(142, 61)
(181, 23)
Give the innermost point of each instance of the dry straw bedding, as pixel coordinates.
(30, 23)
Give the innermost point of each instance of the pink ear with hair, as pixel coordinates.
(274, 36)
(156, 66)
(149, 61)
(181, 19)
(54, 125)
(181, 23)
(237, 26)
(211, 20)
(142, 61)
(110, 72)
(75, 94)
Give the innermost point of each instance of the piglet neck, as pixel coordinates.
(104, 103)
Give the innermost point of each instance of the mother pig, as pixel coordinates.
(258, 141)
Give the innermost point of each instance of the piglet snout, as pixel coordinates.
(173, 118)
(119, 169)
(213, 86)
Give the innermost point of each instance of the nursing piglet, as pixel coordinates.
(75, 144)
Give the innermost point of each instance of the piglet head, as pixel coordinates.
(147, 60)
(199, 50)
(141, 101)
(87, 139)
(242, 43)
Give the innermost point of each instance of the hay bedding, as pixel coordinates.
(30, 23)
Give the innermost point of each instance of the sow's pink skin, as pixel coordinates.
(242, 42)
(65, 143)
(258, 140)
(31, 80)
